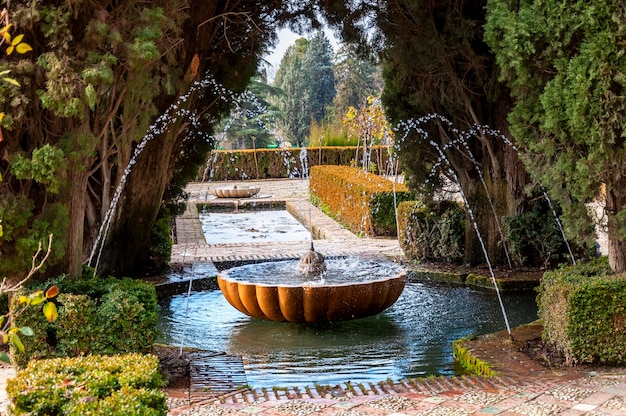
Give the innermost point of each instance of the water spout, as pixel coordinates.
(312, 263)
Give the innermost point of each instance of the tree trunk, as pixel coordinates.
(489, 224)
(615, 203)
(126, 250)
(77, 205)
(497, 190)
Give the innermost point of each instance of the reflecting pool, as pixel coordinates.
(410, 339)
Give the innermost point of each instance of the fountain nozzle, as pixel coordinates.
(312, 263)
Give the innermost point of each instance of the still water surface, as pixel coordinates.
(251, 226)
(410, 339)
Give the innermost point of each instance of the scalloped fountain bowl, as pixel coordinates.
(235, 191)
(349, 289)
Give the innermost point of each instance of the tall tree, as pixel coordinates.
(251, 124)
(293, 103)
(306, 77)
(318, 67)
(564, 63)
(100, 75)
(435, 62)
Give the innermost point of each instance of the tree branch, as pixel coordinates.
(4, 287)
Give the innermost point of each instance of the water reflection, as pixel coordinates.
(411, 338)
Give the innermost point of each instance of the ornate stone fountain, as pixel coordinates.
(348, 289)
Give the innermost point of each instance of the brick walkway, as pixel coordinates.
(521, 386)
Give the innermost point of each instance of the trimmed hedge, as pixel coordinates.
(436, 234)
(362, 201)
(91, 385)
(583, 309)
(96, 316)
(281, 163)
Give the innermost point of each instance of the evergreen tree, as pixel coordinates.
(564, 63)
(293, 103)
(435, 62)
(318, 67)
(306, 77)
(252, 122)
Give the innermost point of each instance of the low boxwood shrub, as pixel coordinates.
(89, 385)
(432, 233)
(362, 201)
(96, 316)
(583, 309)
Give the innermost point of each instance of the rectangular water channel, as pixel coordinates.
(222, 226)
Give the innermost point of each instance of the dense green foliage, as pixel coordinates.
(318, 65)
(357, 78)
(583, 309)
(124, 385)
(432, 233)
(74, 90)
(251, 124)
(161, 240)
(535, 238)
(565, 66)
(291, 79)
(99, 76)
(96, 316)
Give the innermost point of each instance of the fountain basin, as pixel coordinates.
(274, 291)
(235, 191)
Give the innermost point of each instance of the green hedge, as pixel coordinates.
(360, 200)
(90, 385)
(583, 309)
(435, 234)
(282, 163)
(96, 316)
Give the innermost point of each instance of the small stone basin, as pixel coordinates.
(313, 301)
(235, 191)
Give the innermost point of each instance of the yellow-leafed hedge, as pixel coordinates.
(360, 200)
(283, 163)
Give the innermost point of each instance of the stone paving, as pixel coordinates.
(521, 386)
